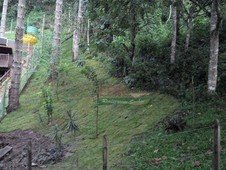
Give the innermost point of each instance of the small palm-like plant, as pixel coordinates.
(70, 123)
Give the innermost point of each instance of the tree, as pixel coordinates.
(215, 21)
(174, 32)
(3, 19)
(189, 17)
(56, 41)
(14, 90)
(77, 32)
(119, 19)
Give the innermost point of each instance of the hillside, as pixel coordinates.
(146, 88)
(131, 119)
(121, 122)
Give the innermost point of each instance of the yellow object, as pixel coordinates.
(29, 39)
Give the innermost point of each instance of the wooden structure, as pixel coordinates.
(6, 57)
(6, 60)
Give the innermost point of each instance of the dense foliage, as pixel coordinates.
(139, 50)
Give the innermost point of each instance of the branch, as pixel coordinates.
(201, 6)
(169, 14)
(67, 39)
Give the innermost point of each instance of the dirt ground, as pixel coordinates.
(43, 150)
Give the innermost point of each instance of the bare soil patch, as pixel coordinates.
(43, 150)
(116, 90)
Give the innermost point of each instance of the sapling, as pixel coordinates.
(48, 102)
(90, 73)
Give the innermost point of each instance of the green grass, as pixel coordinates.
(158, 150)
(10, 35)
(130, 122)
(75, 92)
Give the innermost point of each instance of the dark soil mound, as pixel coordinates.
(43, 150)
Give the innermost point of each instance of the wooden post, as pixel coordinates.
(97, 113)
(216, 146)
(105, 152)
(29, 156)
(11, 26)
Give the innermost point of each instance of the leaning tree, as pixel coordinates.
(14, 89)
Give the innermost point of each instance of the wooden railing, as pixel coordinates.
(4, 77)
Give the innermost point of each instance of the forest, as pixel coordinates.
(113, 85)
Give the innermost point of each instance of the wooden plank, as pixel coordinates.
(105, 152)
(4, 151)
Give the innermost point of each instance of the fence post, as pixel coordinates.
(105, 152)
(216, 146)
(29, 156)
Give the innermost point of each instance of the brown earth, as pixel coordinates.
(43, 150)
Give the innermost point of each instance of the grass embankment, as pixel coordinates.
(191, 148)
(131, 113)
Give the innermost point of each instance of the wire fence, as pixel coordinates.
(32, 58)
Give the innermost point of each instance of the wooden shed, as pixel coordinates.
(6, 56)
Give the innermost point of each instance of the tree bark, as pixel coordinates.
(14, 90)
(77, 32)
(3, 19)
(56, 41)
(215, 21)
(133, 32)
(88, 38)
(174, 33)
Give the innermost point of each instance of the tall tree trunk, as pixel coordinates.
(14, 90)
(3, 19)
(133, 31)
(174, 33)
(56, 41)
(77, 32)
(189, 21)
(215, 21)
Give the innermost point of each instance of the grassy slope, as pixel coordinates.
(75, 92)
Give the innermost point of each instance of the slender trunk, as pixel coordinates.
(189, 25)
(56, 41)
(14, 90)
(11, 26)
(214, 45)
(174, 34)
(69, 21)
(88, 28)
(133, 32)
(77, 32)
(3, 19)
(42, 32)
(188, 34)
